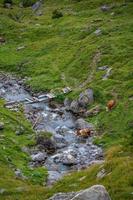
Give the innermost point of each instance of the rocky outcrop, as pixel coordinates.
(86, 98)
(96, 192)
(79, 105)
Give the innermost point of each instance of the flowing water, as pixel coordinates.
(72, 153)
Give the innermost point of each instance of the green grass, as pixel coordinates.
(66, 52)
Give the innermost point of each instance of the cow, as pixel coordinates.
(111, 104)
(86, 132)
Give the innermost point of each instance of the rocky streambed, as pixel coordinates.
(64, 151)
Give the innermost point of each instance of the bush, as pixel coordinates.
(56, 14)
(27, 3)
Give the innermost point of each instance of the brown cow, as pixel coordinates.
(86, 132)
(111, 104)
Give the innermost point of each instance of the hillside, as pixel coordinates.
(70, 51)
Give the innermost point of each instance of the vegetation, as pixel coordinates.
(67, 52)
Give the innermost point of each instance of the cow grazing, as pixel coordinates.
(111, 104)
(86, 132)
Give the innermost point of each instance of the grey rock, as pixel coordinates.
(74, 107)
(82, 124)
(69, 159)
(53, 176)
(96, 192)
(2, 190)
(1, 125)
(20, 48)
(63, 196)
(105, 8)
(108, 73)
(66, 90)
(47, 144)
(67, 102)
(39, 157)
(86, 98)
(103, 68)
(98, 32)
(36, 5)
(60, 141)
(19, 174)
(8, 5)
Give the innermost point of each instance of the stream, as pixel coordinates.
(71, 152)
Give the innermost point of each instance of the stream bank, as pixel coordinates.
(64, 151)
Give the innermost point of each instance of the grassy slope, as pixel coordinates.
(68, 47)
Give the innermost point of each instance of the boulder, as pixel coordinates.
(75, 107)
(67, 103)
(68, 159)
(86, 98)
(82, 124)
(60, 140)
(46, 144)
(1, 125)
(53, 176)
(39, 157)
(105, 8)
(96, 192)
(63, 196)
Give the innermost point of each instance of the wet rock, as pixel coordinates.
(67, 103)
(86, 98)
(60, 141)
(105, 8)
(96, 192)
(39, 157)
(46, 144)
(53, 176)
(74, 107)
(82, 124)
(62, 130)
(2, 125)
(68, 159)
